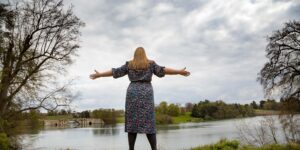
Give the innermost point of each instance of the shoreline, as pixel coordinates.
(183, 118)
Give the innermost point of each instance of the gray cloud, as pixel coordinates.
(221, 43)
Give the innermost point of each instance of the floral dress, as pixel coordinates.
(139, 105)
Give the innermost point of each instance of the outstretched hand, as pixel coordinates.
(184, 72)
(95, 75)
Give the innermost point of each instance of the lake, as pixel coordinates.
(112, 137)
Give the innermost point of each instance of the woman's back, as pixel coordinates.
(143, 75)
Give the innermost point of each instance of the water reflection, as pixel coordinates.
(107, 130)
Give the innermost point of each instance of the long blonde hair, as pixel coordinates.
(140, 60)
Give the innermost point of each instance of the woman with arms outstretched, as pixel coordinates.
(139, 106)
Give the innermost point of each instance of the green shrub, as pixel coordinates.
(4, 141)
(163, 119)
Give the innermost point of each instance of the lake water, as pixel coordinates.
(169, 137)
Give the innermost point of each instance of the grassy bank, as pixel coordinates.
(186, 118)
(225, 144)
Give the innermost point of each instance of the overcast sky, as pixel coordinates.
(222, 43)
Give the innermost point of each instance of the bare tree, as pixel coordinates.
(265, 132)
(38, 41)
(282, 72)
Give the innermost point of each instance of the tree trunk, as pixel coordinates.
(6, 79)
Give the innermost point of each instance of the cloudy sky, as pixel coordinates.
(220, 42)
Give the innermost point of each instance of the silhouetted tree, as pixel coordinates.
(282, 71)
(37, 40)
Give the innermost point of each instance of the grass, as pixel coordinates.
(185, 118)
(225, 144)
(121, 119)
(220, 145)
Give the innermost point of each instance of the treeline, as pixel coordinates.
(282, 105)
(211, 110)
(203, 110)
(107, 115)
(269, 104)
(220, 110)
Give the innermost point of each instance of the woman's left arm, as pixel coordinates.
(171, 71)
(101, 74)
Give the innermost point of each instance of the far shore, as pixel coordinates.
(182, 118)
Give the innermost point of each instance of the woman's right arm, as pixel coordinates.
(171, 71)
(101, 74)
(114, 72)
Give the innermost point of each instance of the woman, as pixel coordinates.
(139, 106)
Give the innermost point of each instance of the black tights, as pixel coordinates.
(151, 139)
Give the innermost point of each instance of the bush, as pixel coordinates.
(163, 119)
(4, 141)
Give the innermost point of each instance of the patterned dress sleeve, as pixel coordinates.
(120, 71)
(158, 70)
